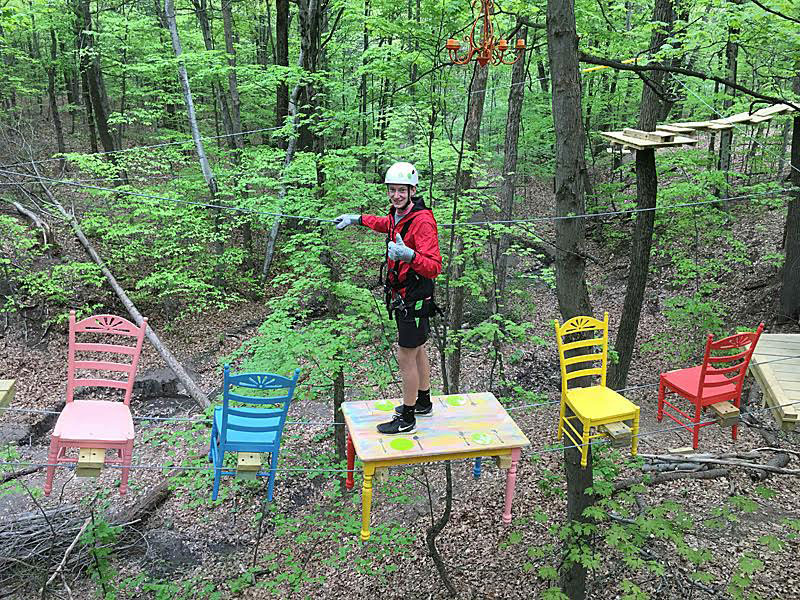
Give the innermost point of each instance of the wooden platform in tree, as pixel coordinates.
(646, 140)
(776, 367)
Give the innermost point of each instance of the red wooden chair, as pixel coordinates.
(718, 379)
(98, 424)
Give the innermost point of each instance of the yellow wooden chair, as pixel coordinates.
(593, 406)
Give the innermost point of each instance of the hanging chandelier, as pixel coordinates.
(488, 50)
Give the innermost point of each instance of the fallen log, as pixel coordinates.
(660, 478)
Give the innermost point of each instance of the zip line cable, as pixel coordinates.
(322, 220)
(543, 450)
(329, 423)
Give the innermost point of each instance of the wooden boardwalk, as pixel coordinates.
(779, 379)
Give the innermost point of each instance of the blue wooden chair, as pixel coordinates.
(250, 428)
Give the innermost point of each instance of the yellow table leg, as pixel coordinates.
(366, 501)
(635, 434)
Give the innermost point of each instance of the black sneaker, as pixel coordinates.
(397, 425)
(419, 410)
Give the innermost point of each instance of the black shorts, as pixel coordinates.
(412, 332)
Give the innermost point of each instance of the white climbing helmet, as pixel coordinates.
(402, 173)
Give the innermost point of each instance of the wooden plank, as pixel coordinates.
(674, 129)
(792, 338)
(760, 119)
(742, 117)
(786, 414)
(638, 144)
(726, 413)
(8, 388)
(717, 126)
(619, 434)
(652, 136)
(693, 124)
(90, 462)
(775, 109)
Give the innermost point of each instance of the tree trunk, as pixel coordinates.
(205, 167)
(472, 129)
(51, 92)
(646, 191)
(201, 12)
(282, 51)
(790, 284)
(562, 42)
(94, 79)
(515, 98)
(726, 135)
(233, 86)
(573, 297)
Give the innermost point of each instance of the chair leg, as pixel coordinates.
(585, 444)
(511, 482)
(351, 462)
(735, 428)
(273, 465)
(476, 470)
(218, 460)
(635, 434)
(661, 395)
(211, 443)
(698, 413)
(561, 414)
(52, 458)
(126, 455)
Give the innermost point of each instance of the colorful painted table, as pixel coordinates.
(462, 426)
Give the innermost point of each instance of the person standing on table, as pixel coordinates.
(413, 260)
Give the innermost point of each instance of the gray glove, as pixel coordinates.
(399, 251)
(343, 221)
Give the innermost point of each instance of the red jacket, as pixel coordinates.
(422, 236)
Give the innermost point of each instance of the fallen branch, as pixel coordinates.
(660, 478)
(66, 555)
(34, 219)
(721, 461)
(17, 474)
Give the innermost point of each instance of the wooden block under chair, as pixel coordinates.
(7, 389)
(726, 413)
(681, 450)
(618, 433)
(503, 462)
(248, 464)
(381, 474)
(90, 462)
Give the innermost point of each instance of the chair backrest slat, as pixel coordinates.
(106, 325)
(744, 341)
(102, 365)
(261, 420)
(592, 327)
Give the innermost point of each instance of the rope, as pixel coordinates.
(671, 208)
(542, 450)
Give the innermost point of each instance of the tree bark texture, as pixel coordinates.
(53, 95)
(573, 296)
(515, 98)
(790, 285)
(233, 86)
(726, 135)
(562, 46)
(472, 128)
(646, 191)
(282, 53)
(201, 12)
(94, 78)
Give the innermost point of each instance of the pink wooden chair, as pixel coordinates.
(98, 424)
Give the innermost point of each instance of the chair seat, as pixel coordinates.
(234, 437)
(686, 381)
(95, 420)
(599, 403)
